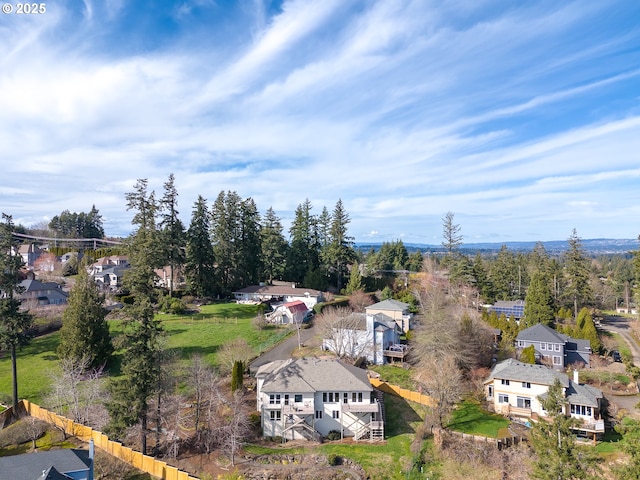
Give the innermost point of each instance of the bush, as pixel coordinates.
(334, 435)
(334, 459)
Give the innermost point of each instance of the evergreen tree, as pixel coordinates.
(586, 329)
(528, 354)
(630, 444)
(274, 246)
(15, 324)
(539, 306)
(142, 354)
(452, 238)
(250, 267)
(85, 333)
(200, 261)
(340, 251)
(558, 456)
(237, 373)
(173, 233)
(578, 290)
(504, 275)
(355, 280)
(225, 237)
(415, 261)
(303, 256)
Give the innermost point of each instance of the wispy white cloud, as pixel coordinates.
(521, 119)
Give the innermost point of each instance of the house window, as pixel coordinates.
(557, 360)
(336, 414)
(275, 415)
(520, 343)
(345, 398)
(286, 399)
(502, 398)
(353, 397)
(274, 399)
(523, 402)
(549, 346)
(526, 385)
(543, 346)
(330, 397)
(297, 398)
(556, 347)
(504, 381)
(318, 414)
(324, 397)
(360, 397)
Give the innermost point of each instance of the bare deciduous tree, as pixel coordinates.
(236, 426)
(344, 332)
(443, 382)
(360, 300)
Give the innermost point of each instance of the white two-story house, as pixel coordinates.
(307, 398)
(513, 388)
(394, 309)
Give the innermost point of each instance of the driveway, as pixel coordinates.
(620, 325)
(284, 349)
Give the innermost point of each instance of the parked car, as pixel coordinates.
(616, 356)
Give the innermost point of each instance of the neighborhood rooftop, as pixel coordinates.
(512, 369)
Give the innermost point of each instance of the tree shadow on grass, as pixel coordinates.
(400, 414)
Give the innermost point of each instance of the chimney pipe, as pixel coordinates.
(576, 376)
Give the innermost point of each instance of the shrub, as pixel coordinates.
(334, 459)
(334, 435)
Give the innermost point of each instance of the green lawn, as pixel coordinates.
(202, 333)
(469, 417)
(395, 375)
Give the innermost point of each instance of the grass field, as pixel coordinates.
(395, 375)
(469, 417)
(202, 333)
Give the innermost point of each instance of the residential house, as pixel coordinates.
(558, 349)
(307, 398)
(513, 389)
(30, 253)
(511, 309)
(64, 464)
(108, 272)
(164, 279)
(394, 309)
(281, 293)
(291, 312)
(373, 336)
(42, 293)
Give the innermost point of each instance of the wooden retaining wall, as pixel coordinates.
(147, 464)
(498, 442)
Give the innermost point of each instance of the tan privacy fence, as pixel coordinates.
(142, 462)
(410, 395)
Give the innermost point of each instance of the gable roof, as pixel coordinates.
(541, 333)
(583, 394)
(279, 290)
(296, 306)
(512, 369)
(308, 375)
(389, 304)
(37, 286)
(52, 474)
(32, 466)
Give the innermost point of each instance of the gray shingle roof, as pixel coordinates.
(540, 333)
(31, 466)
(583, 394)
(306, 375)
(512, 369)
(389, 304)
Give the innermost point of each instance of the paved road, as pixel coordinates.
(283, 350)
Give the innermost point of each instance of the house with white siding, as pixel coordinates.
(307, 398)
(514, 389)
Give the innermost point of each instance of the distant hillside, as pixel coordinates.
(595, 246)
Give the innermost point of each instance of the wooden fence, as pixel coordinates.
(147, 464)
(410, 395)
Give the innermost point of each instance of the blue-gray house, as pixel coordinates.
(65, 464)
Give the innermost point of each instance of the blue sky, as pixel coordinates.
(522, 118)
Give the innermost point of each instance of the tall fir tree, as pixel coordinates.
(200, 261)
(225, 238)
(273, 246)
(85, 333)
(539, 305)
(340, 252)
(141, 360)
(303, 255)
(558, 455)
(578, 290)
(249, 267)
(15, 324)
(173, 232)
